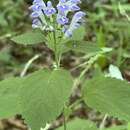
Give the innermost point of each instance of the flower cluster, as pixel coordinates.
(43, 11)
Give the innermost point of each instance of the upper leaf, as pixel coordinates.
(108, 95)
(79, 124)
(43, 96)
(9, 97)
(82, 46)
(29, 38)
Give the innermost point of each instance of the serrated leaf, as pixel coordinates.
(117, 128)
(9, 97)
(109, 96)
(83, 46)
(79, 124)
(29, 38)
(43, 96)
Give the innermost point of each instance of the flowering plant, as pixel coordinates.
(44, 95)
(55, 21)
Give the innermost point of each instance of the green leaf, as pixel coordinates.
(101, 38)
(3, 21)
(79, 34)
(114, 72)
(43, 96)
(82, 46)
(106, 49)
(9, 97)
(117, 128)
(5, 55)
(109, 96)
(128, 126)
(29, 38)
(79, 124)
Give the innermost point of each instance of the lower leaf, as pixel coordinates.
(109, 96)
(43, 96)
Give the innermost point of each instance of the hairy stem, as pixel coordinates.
(64, 120)
(88, 66)
(28, 65)
(102, 125)
(55, 49)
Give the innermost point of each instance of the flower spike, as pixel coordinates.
(42, 10)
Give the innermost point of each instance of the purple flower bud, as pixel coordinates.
(38, 2)
(74, 7)
(36, 7)
(63, 8)
(36, 23)
(79, 15)
(35, 14)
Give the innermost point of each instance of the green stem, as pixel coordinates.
(65, 124)
(64, 121)
(55, 49)
(89, 65)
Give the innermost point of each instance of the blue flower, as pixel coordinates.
(74, 7)
(63, 6)
(35, 14)
(69, 5)
(62, 19)
(37, 5)
(49, 10)
(77, 20)
(40, 6)
(36, 23)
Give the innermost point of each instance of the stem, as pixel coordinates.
(28, 65)
(55, 45)
(90, 63)
(55, 49)
(65, 124)
(103, 122)
(64, 121)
